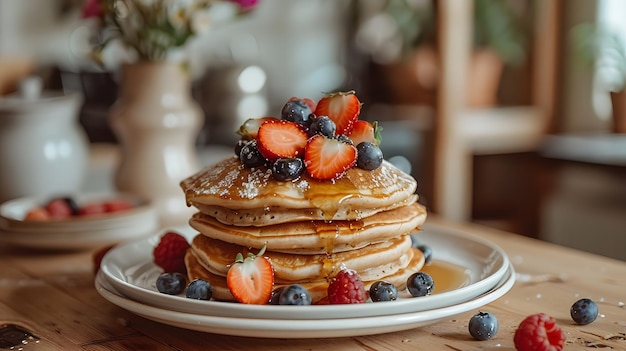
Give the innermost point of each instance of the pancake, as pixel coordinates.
(231, 185)
(317, 289)
(372, 260)
(269, 215)
(316, 236)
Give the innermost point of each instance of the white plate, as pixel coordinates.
(130, 270)
(302, 328)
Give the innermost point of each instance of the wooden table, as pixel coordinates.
(52, 295)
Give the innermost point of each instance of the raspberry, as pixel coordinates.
(169, 254)
(345, 288)
(539, 332)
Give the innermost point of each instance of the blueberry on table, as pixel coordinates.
(383, 291)
(420, 284)
(483, 326)
(171, 283)
(199, 289)
(294, 294)
(584, 311)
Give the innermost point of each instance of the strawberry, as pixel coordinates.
(281, 139)
(92, 208)
(249, 129)
(342, 108)
(328, 159)
(310, 103)
(365, 131)
(37, 214)
(251, 279)
(117, 205)
(169, 253)
(59, 209)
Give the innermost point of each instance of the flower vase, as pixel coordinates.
(156, 122)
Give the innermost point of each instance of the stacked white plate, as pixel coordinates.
(127, 279)
(79, 232)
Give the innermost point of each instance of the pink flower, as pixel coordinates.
(92, 8)
(246, 4)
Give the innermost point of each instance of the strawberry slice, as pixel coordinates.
(343, 108)
(328, 159)
(251, 279)
(281, 139)
(365, 131)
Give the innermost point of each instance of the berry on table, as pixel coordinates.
(169, 253)
(420, 284)
(539, 332)
(294, 294)
(584, 311)
(346, 288)
(369, 156)
(285, 169)
(199, 289)
(483, 326)
(383, 291)
(171, 283)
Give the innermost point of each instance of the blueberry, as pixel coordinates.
(584, 311)
(285, 169)
(250, 155)
(240, 144)
(171, 283)
(383, 291)
(322, 125)
(296, 110)
(420, 284)
(294, 294)
(276, 295)
(199, 289)
(483, 326)
(369, 156)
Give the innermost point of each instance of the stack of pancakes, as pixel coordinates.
(311, 228)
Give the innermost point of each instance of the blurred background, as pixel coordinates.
(508, 110)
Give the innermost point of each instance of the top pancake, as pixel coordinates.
(231, 185)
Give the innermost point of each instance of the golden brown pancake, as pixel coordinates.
(269, 215)
(374, 260)
(231, 185)
(315, 236)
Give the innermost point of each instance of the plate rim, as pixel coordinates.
(301, 328)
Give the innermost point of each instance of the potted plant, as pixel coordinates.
(605, 50)
(498, 40)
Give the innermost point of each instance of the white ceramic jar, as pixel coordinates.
(43, 149)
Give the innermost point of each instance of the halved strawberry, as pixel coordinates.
(343, 108)
(250, 128)
(365, 131)
(251, 279)
(281, 139)
(328, 159)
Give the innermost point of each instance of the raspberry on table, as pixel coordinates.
(346, 288)
(539, 332)
(169, 253)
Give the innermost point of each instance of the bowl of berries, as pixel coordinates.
(75, 221)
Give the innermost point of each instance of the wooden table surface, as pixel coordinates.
(52, 295)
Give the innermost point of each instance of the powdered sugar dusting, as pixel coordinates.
(255, 181)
